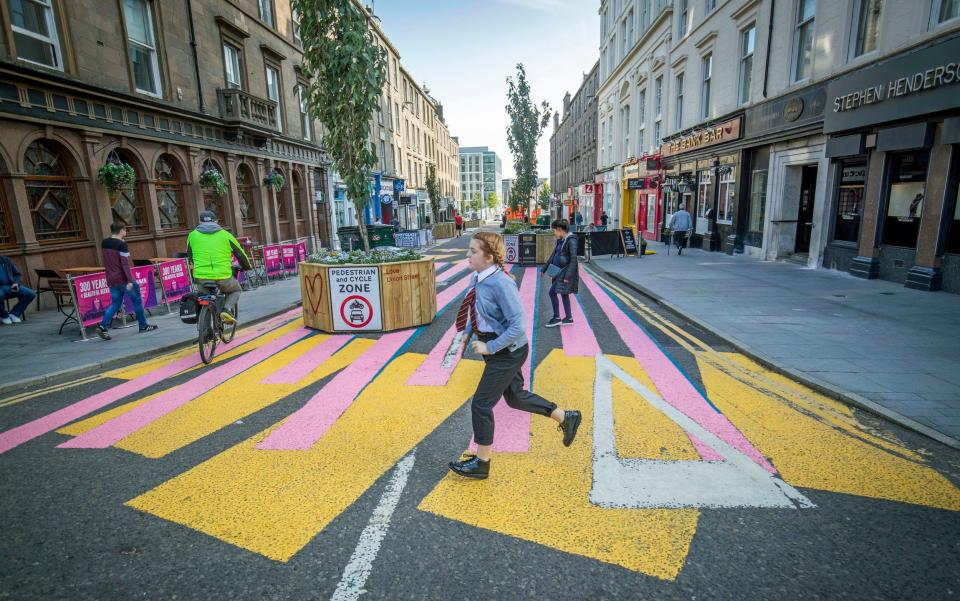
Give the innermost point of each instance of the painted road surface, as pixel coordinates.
(302, 465)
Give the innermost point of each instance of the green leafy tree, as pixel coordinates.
(476, 203)
(544, 198)
(527, 123)
(492, 201)
(433, 191)
(347, 70)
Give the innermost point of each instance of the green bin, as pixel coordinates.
(380, 235)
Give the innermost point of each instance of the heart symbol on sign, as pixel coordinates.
(727, 129)
(313, 282)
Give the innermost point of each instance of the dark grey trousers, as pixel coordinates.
(503, 377)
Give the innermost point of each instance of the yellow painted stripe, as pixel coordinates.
(813, 454)
(275, 502)
(543, 495)
(26, 396)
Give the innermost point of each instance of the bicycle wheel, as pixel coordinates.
(207, 340)
(229, 330)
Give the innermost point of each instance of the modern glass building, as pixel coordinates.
(479, 172)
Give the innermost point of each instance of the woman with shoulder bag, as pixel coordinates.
(563, 270)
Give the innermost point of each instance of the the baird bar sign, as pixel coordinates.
(717, 134)
(903, 86)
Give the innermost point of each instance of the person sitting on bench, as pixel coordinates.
(10, 287)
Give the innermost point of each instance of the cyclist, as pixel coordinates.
(209, 247)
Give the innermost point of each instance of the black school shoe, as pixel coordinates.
(571, 421)
(568, 321)
(150, 327)
(471, 467)
(554, 322)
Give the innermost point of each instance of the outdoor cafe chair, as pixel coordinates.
(45, 274)
(61, 291)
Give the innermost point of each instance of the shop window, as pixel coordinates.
(169, 195)
(35, 32)
(853, 177)
(141, 40)
(758, 200)
(281, 203)
(726, 201)
(248, 210)
(211, 201)
(7, 236)
(704, 188)
(297, 196)
(52, 195)
(129, 207)
(953, 234)
(905, 192)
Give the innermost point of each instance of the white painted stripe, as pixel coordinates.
(358, 568)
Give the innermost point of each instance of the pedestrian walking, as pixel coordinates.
(578, 220)
(562, 268)
(492, 310)
(120, 280)
(604, 219)
(458, 221)
(503, 221)
(680, 224)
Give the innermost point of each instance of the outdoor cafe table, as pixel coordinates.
(163, 259)
(80, 270)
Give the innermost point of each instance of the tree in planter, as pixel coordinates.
(347, 70)
(433, 191)
(527, 123)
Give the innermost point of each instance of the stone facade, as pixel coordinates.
(573, 144)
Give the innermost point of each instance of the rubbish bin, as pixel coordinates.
(349, 236)
(528, 249)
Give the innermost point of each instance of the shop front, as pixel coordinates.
(894, 133)
(585, 196)
(610, 184)
(641, 206)
(701, 170)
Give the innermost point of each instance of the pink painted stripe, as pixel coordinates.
(454, 269)
(308, 425)
(16, 436)
(126, 424)
(671, 383)
(300, 368)
(438, 265)
(578, 339)
(512, 432)
(432, 372)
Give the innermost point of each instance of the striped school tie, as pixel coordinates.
(467, 307)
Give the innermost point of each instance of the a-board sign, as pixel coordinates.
(512, 244)
(406, 238)
(271, 259)
(606, 243)
(629, 242)
(355, 299)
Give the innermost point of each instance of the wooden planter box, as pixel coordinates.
(545, 246)
(378, 297)
(443, 230)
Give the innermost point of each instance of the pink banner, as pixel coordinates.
(289, 254)
(302, 251)
(148, 291)
(271, 259)
(175, 279)
(93, 297)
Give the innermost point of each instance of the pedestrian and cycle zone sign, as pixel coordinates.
(655, 450)
(355, 299)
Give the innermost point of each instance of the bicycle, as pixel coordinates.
(210, 327)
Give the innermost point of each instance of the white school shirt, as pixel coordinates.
(486, 273)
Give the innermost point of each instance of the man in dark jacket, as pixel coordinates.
(116, 262)
(566, 273)
(10, 288)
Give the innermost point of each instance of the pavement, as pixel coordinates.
(872, 343)
(32, 352)
(306, 465)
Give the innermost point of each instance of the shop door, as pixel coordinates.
(808, 185)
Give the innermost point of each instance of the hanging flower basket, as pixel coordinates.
(274, 180)
(116, 176)
(211, 179)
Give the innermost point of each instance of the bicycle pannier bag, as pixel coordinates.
(189, 308)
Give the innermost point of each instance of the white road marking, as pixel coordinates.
(357, 571)
(735, 482)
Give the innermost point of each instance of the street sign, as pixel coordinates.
(398, 185)
(355, 299)
(512, 244)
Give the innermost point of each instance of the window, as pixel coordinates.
(623, 39)
(684, 14)
(704, 188)
(853, 177)
(169, 195)
(7, 235)
(142, 44)
(128, 206)
(710, 5)
(273, 93)
(383, 155)
(610, 139)
(946, 10)
(726, 196)
(35, 32)
(644, 15)
(603, 135)
(625, 124)
(211, 201)
(248, 212)
(306, 125)
(679, 123)
(905, 193)
(758, 200)
(297, 195)
(705, 86)
(630, 29)
(641, 119)
(953, 234)
(747, 41)
(52, 195)
(295, 26)
(866, 24)
(803, 40)
(231, 60)
(266, 12)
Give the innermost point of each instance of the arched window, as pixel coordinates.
(248, 210)
(281, 205)
(297, 195)
(52, 195)
(128, 207)
(7, 235)
(212, 202)
(169, 194)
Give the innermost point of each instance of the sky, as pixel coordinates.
(463, 50)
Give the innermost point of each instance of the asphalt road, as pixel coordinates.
(302, 466)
